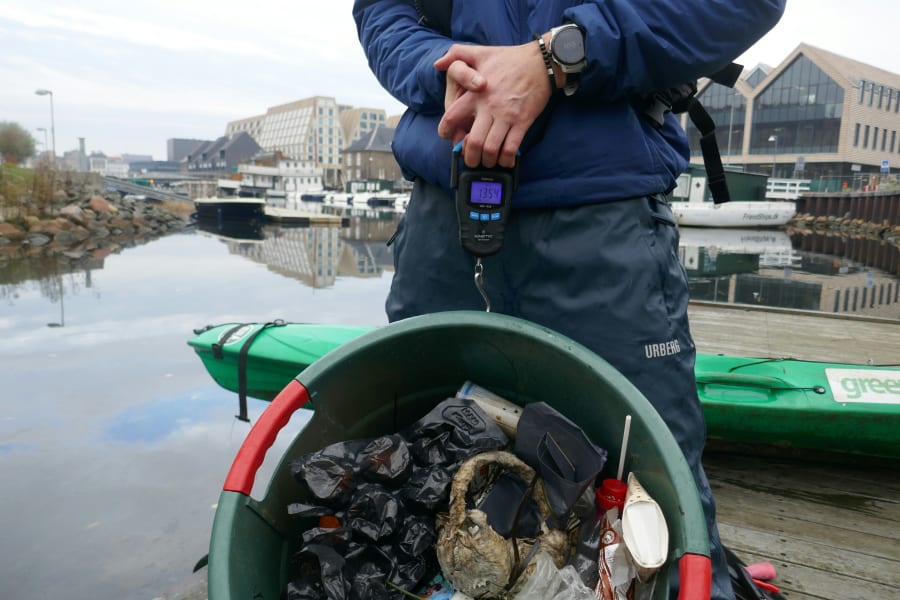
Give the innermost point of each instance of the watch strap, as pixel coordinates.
(547, 61)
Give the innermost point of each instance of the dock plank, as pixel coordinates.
(742, 330)
(831, 527)
(830, 575)
(302, 217)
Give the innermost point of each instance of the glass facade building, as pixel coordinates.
(816, 115)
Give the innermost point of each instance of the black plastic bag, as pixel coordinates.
(587, 552)
(561, 453)
(453, 431)
(330, 473)
(368, 569)
(374, 513)
(386, 460)
(417, 536)
(330, 569)
(384, 491)
(301, 509)
(337, 538)
(429, 488)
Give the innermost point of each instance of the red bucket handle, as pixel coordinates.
(695, 576)
(261, 437)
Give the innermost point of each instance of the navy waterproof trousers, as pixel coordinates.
(606, 275)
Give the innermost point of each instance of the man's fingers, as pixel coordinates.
(465, 76)
(474, 146)
(463, 52)
(458, 117)
(511, 145)
(490, 153)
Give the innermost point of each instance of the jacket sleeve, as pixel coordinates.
(637, 46)
(401, 52)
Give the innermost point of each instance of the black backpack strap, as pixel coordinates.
(712, 160)
(683, 98)
(729, 75)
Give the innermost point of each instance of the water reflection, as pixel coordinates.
(317, 255)
(799, 270)
(772, 268)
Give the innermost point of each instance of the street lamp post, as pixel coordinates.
(62, 306)
(46, 145)
(732, 98)
(43, 92)
(774, 138)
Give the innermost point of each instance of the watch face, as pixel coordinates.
(568, 46)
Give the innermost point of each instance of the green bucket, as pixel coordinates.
(386, 379)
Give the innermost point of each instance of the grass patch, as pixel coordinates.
(15, 182)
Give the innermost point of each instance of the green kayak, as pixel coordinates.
(801, 404)
(259, 359)
(786, 403)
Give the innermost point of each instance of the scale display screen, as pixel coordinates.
(486, 192)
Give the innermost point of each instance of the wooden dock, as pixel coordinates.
(830, 527)
(290, 216)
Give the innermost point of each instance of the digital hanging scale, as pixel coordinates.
(483, 202)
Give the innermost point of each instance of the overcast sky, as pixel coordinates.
(127, 76)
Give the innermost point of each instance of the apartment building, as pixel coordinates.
(313, 130)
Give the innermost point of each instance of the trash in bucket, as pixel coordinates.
(363, 485)
(375, 390)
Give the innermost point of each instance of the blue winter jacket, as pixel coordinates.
(587, 148)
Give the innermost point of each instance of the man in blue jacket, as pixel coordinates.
(591, 245)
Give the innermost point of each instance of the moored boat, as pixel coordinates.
(693, 206)
(786, 403)
(226, 208)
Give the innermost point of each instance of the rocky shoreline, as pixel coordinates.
(845, 227)
(86, 218)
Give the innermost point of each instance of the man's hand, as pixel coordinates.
(494, 94)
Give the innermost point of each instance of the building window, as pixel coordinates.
(856, 136)
(880, 95)
(871, 93)
(890, 98)
(883, 140)
(862, 90)
(803, 106)
(866, 137)
(893, 140)
(875, 138)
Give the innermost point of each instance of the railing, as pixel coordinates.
(786, 189)
(143, 190)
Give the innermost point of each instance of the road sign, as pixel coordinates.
(885, 166)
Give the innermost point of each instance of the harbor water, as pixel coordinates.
(115, 442)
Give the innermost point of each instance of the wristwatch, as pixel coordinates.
(567, 50)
